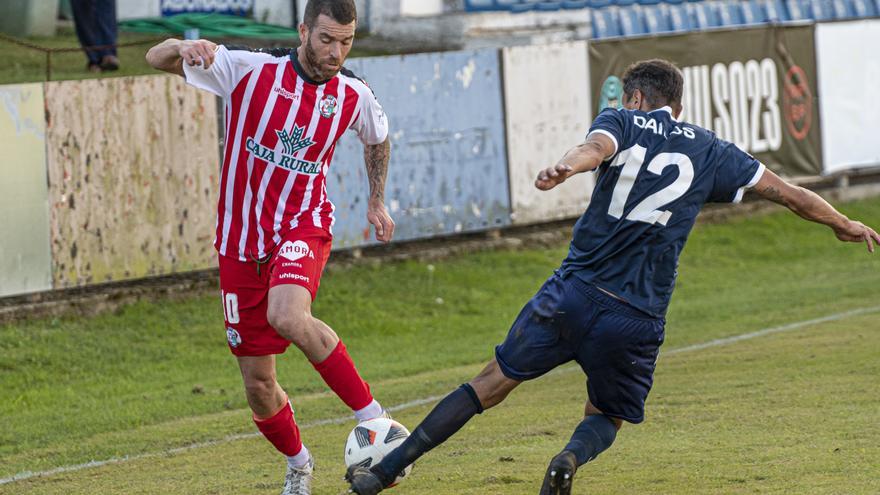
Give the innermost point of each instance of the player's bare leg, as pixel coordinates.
(273, 415)
(290, 314)
(595, 434)
(486, 390)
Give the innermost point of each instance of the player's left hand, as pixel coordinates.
(852, 231)
(550, 177)
(378, 216)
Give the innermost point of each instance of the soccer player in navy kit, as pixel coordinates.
(604, 308)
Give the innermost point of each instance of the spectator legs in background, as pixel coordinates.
(105, 19)
(95, 22)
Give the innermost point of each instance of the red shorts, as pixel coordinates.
(298, 259)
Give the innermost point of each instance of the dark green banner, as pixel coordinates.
(754, 87)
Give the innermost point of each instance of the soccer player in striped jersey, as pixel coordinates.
(284, 116)
(605, 307)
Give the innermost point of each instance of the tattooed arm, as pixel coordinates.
(376, 158)
(811, 206)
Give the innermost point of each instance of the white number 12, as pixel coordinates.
(648, 210)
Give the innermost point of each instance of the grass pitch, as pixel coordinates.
(22, 64)
(793, 412)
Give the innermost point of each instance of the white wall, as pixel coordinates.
(421, 7)
(849, 70)
(136, 9)
(547, 101)
(278, 12)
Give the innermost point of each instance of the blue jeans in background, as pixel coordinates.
(95, 22)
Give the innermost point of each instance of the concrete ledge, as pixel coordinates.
(458, 30)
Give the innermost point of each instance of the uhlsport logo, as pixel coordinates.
(295, 250)
(285, 93)
(611, 95)
(328, 107)
(291, 143)
(233, 337)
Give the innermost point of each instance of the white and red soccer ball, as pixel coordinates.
(372, 440)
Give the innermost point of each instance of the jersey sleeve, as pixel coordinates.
(611, 123)
(229, 67)
(736, 172)
(371, 123)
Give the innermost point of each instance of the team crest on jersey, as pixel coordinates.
(291, 143)
(328, 106)
(233, 337)
(295, 250)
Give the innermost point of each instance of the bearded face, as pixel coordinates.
(326, 46)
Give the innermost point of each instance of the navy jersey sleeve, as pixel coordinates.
(736, 171)
(611, 123)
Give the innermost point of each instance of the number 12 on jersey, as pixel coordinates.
(648, 210)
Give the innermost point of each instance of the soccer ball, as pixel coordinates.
(372, 440)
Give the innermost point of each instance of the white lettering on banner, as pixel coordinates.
(739, 101)
(206, 5)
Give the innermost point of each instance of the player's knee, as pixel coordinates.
(492, 386)
(590, 410)
(292, 324)
(261, 391)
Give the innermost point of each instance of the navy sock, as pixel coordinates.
(595, 434)
(442, 422)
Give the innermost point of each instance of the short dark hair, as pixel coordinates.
(341, 11)
(660, 81)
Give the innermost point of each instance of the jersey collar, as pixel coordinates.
(301, 72)
(666, 109)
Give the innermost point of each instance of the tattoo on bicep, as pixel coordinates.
(376, 159)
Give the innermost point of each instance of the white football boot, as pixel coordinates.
(298, 481)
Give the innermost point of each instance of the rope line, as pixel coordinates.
(49, 51)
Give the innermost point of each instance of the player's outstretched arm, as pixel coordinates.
(376, 158)
(170, 54)
(811, 206)
(582, 158)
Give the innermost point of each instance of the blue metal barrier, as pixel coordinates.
(448, 169)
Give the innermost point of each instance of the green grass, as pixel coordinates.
(752, 417)
(787, 413)
(21, 65)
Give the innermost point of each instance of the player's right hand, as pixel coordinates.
(197, 52)
(550, 177)
(852, 231)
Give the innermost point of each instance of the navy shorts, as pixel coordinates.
(615, 344)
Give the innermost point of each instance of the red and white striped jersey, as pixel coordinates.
(281, 132)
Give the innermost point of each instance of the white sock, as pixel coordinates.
(299, 460)
(373, 410)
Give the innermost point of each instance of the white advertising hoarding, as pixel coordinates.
(547, 103)
(849, 70)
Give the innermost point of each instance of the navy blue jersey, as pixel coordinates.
(646, 200)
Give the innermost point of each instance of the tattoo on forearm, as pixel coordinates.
(376, 159)
(773, 194)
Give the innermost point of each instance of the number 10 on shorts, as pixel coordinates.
(230, 307)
